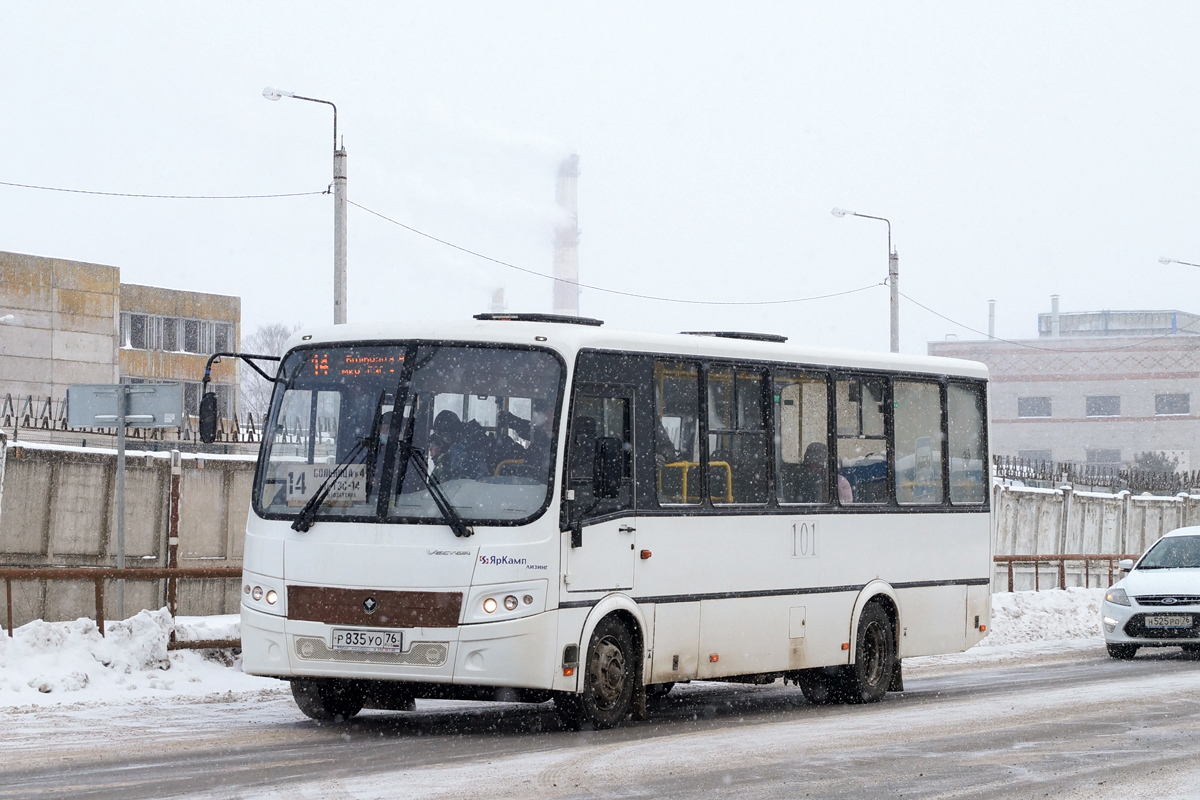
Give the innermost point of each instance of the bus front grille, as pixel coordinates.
(419, 654)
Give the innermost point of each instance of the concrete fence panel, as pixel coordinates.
(57, 508)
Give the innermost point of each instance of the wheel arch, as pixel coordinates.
(881, 592)
(623, 607)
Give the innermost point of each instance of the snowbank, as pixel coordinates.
(51, 663)
(1052, 615)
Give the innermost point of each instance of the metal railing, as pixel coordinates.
(98, 575)
(46, 415)
(1087, 559)
(1092, 475)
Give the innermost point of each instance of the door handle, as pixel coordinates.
(626, 529)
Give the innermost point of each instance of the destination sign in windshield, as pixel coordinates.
(355, 363)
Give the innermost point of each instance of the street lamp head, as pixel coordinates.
(840, 212)
(1165, 260)
(272, 93)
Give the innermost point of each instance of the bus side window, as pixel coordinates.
(967, 415)
(737, 436)
(677, 431)
(861, 441)
(918, 442)
(801, 437)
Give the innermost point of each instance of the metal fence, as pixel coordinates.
(1091, 476)
(43, 415)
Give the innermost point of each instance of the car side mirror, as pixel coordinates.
(608, 468)
(208, 418)
(1126, 564)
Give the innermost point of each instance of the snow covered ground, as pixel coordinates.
(54, 663)
(72, 701)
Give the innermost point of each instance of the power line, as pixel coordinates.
(612, 291)
(1049, 349)
(163, 196)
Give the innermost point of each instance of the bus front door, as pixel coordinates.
(604, 532)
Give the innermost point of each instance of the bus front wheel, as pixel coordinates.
(609, 674)
(868, 678)
(327, 699)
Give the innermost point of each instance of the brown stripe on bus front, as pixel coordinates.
(391, 609)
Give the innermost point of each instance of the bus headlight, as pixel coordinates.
(257, 593)
(489, 605)
(272, 596)
(510, 603)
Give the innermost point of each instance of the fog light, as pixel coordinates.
(272, 596)
(257, 593)
(510, 603)
(246, 588)
(528, 599)
(489, 605)
(1110, 624)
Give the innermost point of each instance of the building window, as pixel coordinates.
(1104, 406)
(138, 332)
(1104, 458)
(1165, 404)
(1035, 455)
(1033, 406)
(224, 337)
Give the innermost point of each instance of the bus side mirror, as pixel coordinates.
(608, 468)
(1126, 564)
(208, 418)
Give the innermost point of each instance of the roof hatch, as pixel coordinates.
(561, 319)
(756, 337)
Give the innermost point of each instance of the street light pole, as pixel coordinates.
(339, 207)
(1165, 260)
(893, 274)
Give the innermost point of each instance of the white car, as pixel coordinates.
(1157, 603)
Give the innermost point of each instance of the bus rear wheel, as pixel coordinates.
(868, 678)
(609, 674)
(327, 699)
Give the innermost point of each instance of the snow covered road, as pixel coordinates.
(1024, 717)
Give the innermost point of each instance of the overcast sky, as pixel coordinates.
(1019, 150)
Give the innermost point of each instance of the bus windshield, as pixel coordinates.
(480, 418)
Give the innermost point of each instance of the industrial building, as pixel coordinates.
(65, 322)
(1096, 387)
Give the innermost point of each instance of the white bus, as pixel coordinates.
(532, 507)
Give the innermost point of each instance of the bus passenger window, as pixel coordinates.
(801, 438)
(967, 414)
(737, 437)
(676, 441)
(918, 446)
(861, 443)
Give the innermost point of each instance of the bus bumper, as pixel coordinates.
(518, 653)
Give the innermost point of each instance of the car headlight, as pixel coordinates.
(1117, 596)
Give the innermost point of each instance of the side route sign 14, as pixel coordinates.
(303, 480)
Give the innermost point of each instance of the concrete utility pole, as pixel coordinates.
(893, 274)
(566, 240)
(339, 207)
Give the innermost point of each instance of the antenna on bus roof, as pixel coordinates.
(757, 337)
(564, 319)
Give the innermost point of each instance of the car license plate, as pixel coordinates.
(368, 641)
(1168, 620)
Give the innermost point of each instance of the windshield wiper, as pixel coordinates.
(449, 512)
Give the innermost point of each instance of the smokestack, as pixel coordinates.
(991, 319)
(498, 305)
(1054, 316)
(566, 240)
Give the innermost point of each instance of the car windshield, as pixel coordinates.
(1173, 552)
(481, 418)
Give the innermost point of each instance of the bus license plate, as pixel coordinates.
(1168, 620)
(368, 641)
